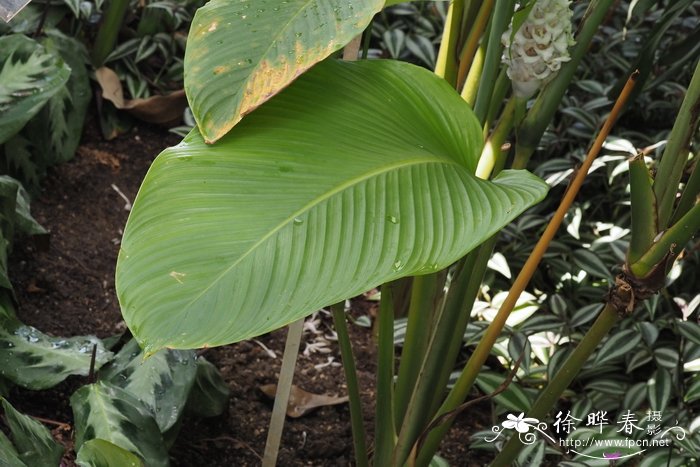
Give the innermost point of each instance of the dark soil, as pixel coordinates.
(66, 288)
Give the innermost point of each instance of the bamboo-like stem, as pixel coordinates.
(356, 420)
(471, 85)
(466, 379)
(492, 147)
(502, 13)
(644, 221)
(284, 387)
(670, 242)
(446, 63)
(690, 193)
(540, 115)
(573, 364)
(109, 29)
(453, 317)
(500, 91)
(675, 155)
(418, 329)
(448, 339)
(466, 57)
(385, 430)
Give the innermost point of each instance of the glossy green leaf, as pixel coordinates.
(532, 454)
(637, 359)
(513, 398)
(591, 263)
(635, 396)
(666, 357)
(241, 53)
(689, 330)
(692, 393)
(618, 345)
(305, 205)
(210, 395)
(34, 360)
(104, 411)
(162, 382)
(659, 389)
(101, 453)
(29, 76)
(33, 441)
(611, 387)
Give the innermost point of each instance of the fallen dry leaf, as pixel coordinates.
(155, 109)
(302, 402)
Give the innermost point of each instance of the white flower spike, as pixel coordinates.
(539, 46)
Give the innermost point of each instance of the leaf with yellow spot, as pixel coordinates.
(239, 54)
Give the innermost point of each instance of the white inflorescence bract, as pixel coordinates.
(539, 47)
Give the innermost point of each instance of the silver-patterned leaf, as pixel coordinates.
(659, 389)
(29, 76)
(105, 411)
(35, 360)
(162, 381)
(33, 441)
(618, 345)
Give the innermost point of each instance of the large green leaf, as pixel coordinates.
(34, 443)
(104, 411)
(162, 382)
(321, 194)
(34, 360)
(101, 453)
(240, 53)
(29, 76)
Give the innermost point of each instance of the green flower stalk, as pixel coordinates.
(535, 52)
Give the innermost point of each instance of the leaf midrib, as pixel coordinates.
(316, 201)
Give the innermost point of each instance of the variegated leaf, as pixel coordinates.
(162, 381)
(104, 411)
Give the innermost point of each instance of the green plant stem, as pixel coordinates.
(466, 56)
(500, 91)
(471, 85)
(284, 387)
(454, 316)
(643, 206)
(549, 396)
(675, 155)
(109, 30)
(492, 147)
(540, 115)
(670, 242)
(452, 319)
(460, 390)
(502, 13)
(356, 420)
(385, 431)
(446, 64)
(690, 193)
(418, 329)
